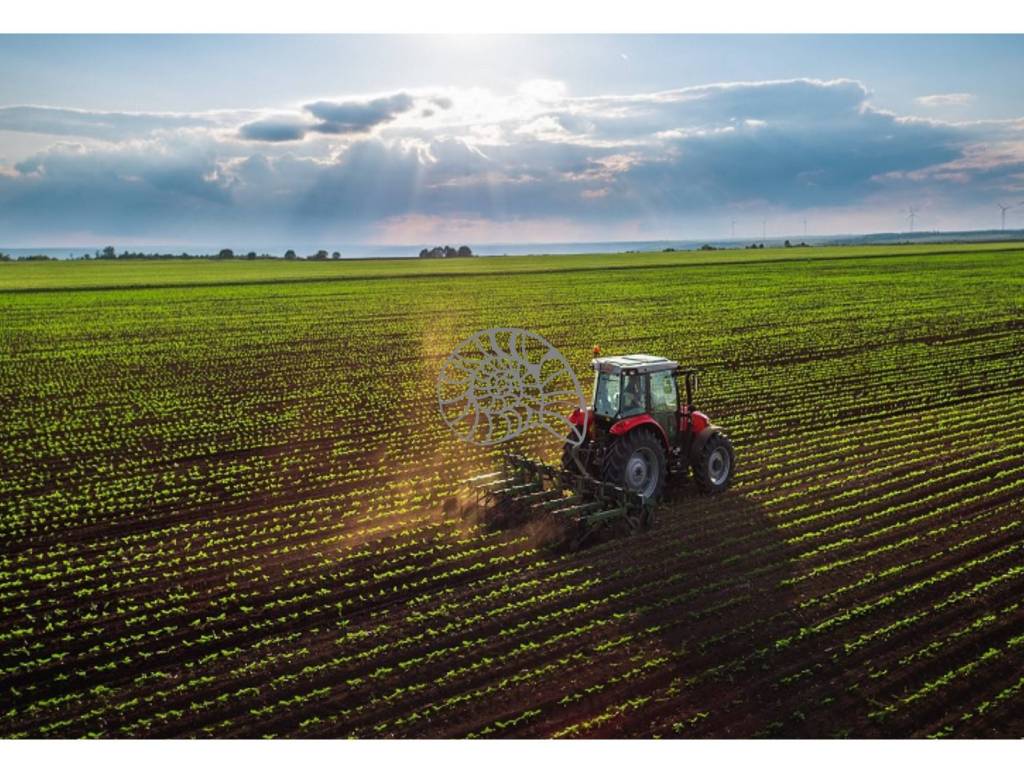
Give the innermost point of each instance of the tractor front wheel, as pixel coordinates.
(714, 468)
(636, 461)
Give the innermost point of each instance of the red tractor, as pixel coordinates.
(640, 431)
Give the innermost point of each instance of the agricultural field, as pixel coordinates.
(229, 506)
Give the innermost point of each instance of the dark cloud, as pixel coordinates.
(333, 118)
(132, 191)
(829, 162)
(273, 129)
(357, 116)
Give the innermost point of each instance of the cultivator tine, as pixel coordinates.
(523, 489)
(540, 497)
(580, 501)
(578, 512)
(495, 485)
(557, 503)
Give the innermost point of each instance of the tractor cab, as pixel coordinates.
(642, 427)
(633, 385)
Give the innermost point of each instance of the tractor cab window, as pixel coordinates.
(663, 392)
(606, 394)
(634, 394)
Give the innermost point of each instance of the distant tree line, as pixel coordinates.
(321, 255)
(225, 253)
(290, 255)
(446, 252)
(32, 257)
(110, 253)
(318, 256)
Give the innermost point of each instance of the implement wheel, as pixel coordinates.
(714, 468)
(636, 462)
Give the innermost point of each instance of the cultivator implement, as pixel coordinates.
(638, 433)
(580, 502)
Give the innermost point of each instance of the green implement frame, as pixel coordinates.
(582, 503)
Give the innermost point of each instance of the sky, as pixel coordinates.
(483, 139)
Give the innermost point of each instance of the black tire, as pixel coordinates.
(620, 465)
(714, 468)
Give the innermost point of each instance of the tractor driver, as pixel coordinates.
(632, 396)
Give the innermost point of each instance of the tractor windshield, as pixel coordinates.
(606, 394)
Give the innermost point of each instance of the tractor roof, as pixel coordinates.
(639, 363)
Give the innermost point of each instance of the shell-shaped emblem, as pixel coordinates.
(502, 382)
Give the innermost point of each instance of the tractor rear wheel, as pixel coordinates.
(714, 468)
(636, 462)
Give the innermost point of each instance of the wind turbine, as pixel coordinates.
(1002, 213)
(911, 213)
(764, 228)
(805, 226)
(734, 229)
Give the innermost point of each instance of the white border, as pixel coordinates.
(516, 16)
(515, 754)
(519, 16)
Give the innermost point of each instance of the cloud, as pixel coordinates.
(357, 116)
(274, 129)
(420, 228)
(945, 99)
(139, 189)
(336, 118)
(709, 108)
(110, 126)
(639, 163)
